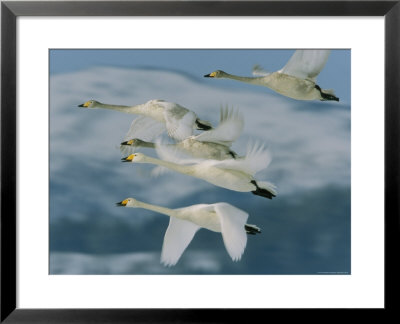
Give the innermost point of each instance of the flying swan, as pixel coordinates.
(213, 144)
(177, 120)
(233, 174)
(297, 79)
(185, 222)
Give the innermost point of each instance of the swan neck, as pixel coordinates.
(252, 80)
(155, 208)
(170, 165)
(147, 144)
(126, 109)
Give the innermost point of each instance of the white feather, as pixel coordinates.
(179, 234)
(306, 64)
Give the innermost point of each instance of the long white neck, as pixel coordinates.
(170, 165)
(145, 144)
(157, 209)
(126, 109)
(251, 80)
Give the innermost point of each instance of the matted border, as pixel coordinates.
(11, 10)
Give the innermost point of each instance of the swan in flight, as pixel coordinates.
(185, 222)
(233, 174)
(177, 120)
(297, 79)
(213, 144)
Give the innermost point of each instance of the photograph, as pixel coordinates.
(200, 161)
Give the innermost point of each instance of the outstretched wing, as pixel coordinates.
(179, 121)
(228, 130)
(306, 64)
(232, 229)
(258, 71)
(144, 128)
(177, 237)
(257, 158)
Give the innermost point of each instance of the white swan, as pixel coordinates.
(233, 174)
(297, 79)
(213, 144)
(177, 120)
(185, 222)
(197, 149)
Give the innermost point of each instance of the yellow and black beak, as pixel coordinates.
(211, 75)
(121, 203)
(128, 158)
(85, 105)
(130, 142)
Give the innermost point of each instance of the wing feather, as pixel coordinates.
(228, 130)
(258, 71)
(306, 64)
(233, 232)
(176, 239)
(257, 158)
(179, 121)
(144, 128)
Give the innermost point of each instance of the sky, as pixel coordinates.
(305, 229)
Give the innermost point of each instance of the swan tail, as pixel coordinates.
(203, 125)
(252, 229)
(328, 94)
(264, 189)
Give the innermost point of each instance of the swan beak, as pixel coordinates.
(211, 75)
(128, 158)
(121, 203)
(85, 105)
(130, 142)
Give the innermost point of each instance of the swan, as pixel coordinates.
(213, 144)
(185, 222)
(297, 79)
(233, 174)
(197, 149)
(177, 120)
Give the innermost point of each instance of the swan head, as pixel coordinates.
(128, 202)
(135, 157)
(215, 74)
(133, 142)
(89, 104)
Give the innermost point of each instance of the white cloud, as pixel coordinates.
(130, 263)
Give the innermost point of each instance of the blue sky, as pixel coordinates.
(305, 229)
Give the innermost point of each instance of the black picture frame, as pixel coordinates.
(10, 10)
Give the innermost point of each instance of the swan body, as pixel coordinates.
(213, 144)
(185, 222)
(233, 174)
(178, 121)
(297, 79)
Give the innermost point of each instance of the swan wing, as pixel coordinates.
(259, 71)
(179, 121)
(172, 153)
(228, 130)
(232, 228)
(144, 128)
(256, 159)
(306, 64)
(179, 234)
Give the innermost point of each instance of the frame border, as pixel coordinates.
(10, 10)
